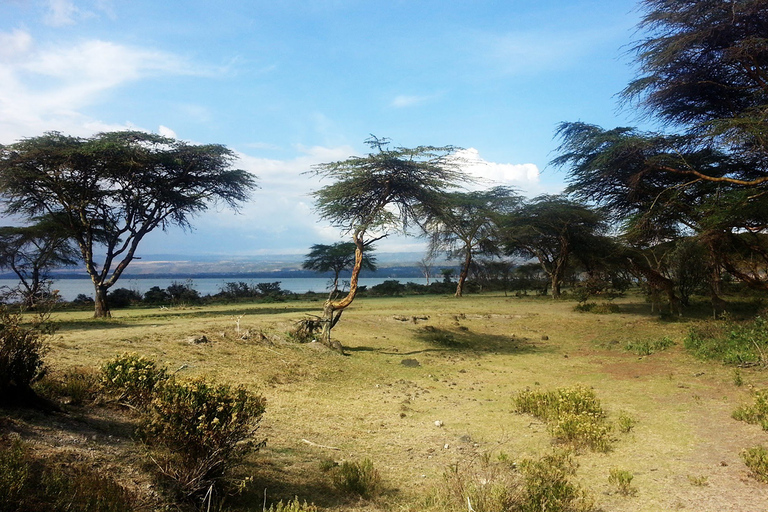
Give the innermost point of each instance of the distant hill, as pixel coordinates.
(404, 264)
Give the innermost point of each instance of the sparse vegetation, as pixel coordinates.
(648, 347)
(757, 413)
(621, 479)
(357, 478)
(756, 459)
(734, 343)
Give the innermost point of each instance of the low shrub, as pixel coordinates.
(532, 485)
(201, 430)
(625, 423)
(757, 413)
(575, 415)
(132, 378)
(21, 359)
(622, 480)
(292, 506)
(547, 485)
(730, 342)
(359, 478)
(756, 460)
(30, 484)
(604, 308)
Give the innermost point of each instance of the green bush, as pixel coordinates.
(21, 358)
(359, 478)
(604, 308)
(28, 484)
(202, 430)
(756, 460)
(548, 486)
(574, 414)
(132, 378)
(730, 342)
(622, 480)
(122, 298)
(757, 413)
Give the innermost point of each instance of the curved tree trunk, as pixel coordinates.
(332, 309)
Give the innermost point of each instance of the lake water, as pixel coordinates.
(71, 288)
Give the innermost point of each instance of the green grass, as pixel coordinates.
(483, 351)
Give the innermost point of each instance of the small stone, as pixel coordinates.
(439, 423)
(544, 338)
(411, 363)
(446, 446)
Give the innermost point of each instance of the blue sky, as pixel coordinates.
(288, 84)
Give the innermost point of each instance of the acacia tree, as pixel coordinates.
(386, 191)
(108, 191)
(466, 223)
(703, 73)
(551, 229)
(31, 252)
(336, 258)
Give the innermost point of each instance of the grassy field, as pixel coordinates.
(415, 361)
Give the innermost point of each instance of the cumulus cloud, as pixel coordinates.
(166, 132)
(521, 176)
(46, 88)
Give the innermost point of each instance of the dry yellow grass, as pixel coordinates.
(368, 404)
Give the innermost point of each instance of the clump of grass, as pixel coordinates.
(622, 480)
(738, 380)
(358, 478)
(292, 506)
(730, 342)
(648, 347)
(29, 483)
(698, 481)
(575, 415)
(75, 386)
(757, 413)
(756, 460)
(604, 308)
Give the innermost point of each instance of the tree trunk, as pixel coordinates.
(100, 299)
(555, 285)
(332, 309)
(463, 274)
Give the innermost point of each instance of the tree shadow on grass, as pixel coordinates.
(457, 340)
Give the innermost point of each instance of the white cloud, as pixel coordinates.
(404, 101)
(60, 13)
(43, 89)
(521, 176)
(166, 132)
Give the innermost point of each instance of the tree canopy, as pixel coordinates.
(465, 223)
(108, 191)
(389, 190)
(336, 258)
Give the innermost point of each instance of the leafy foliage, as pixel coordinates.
(132, 378)
(756, 459)
(202, 430)
(757, 413)
(108, 191)
(575, 415)
(337, 258)
(21, 358)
